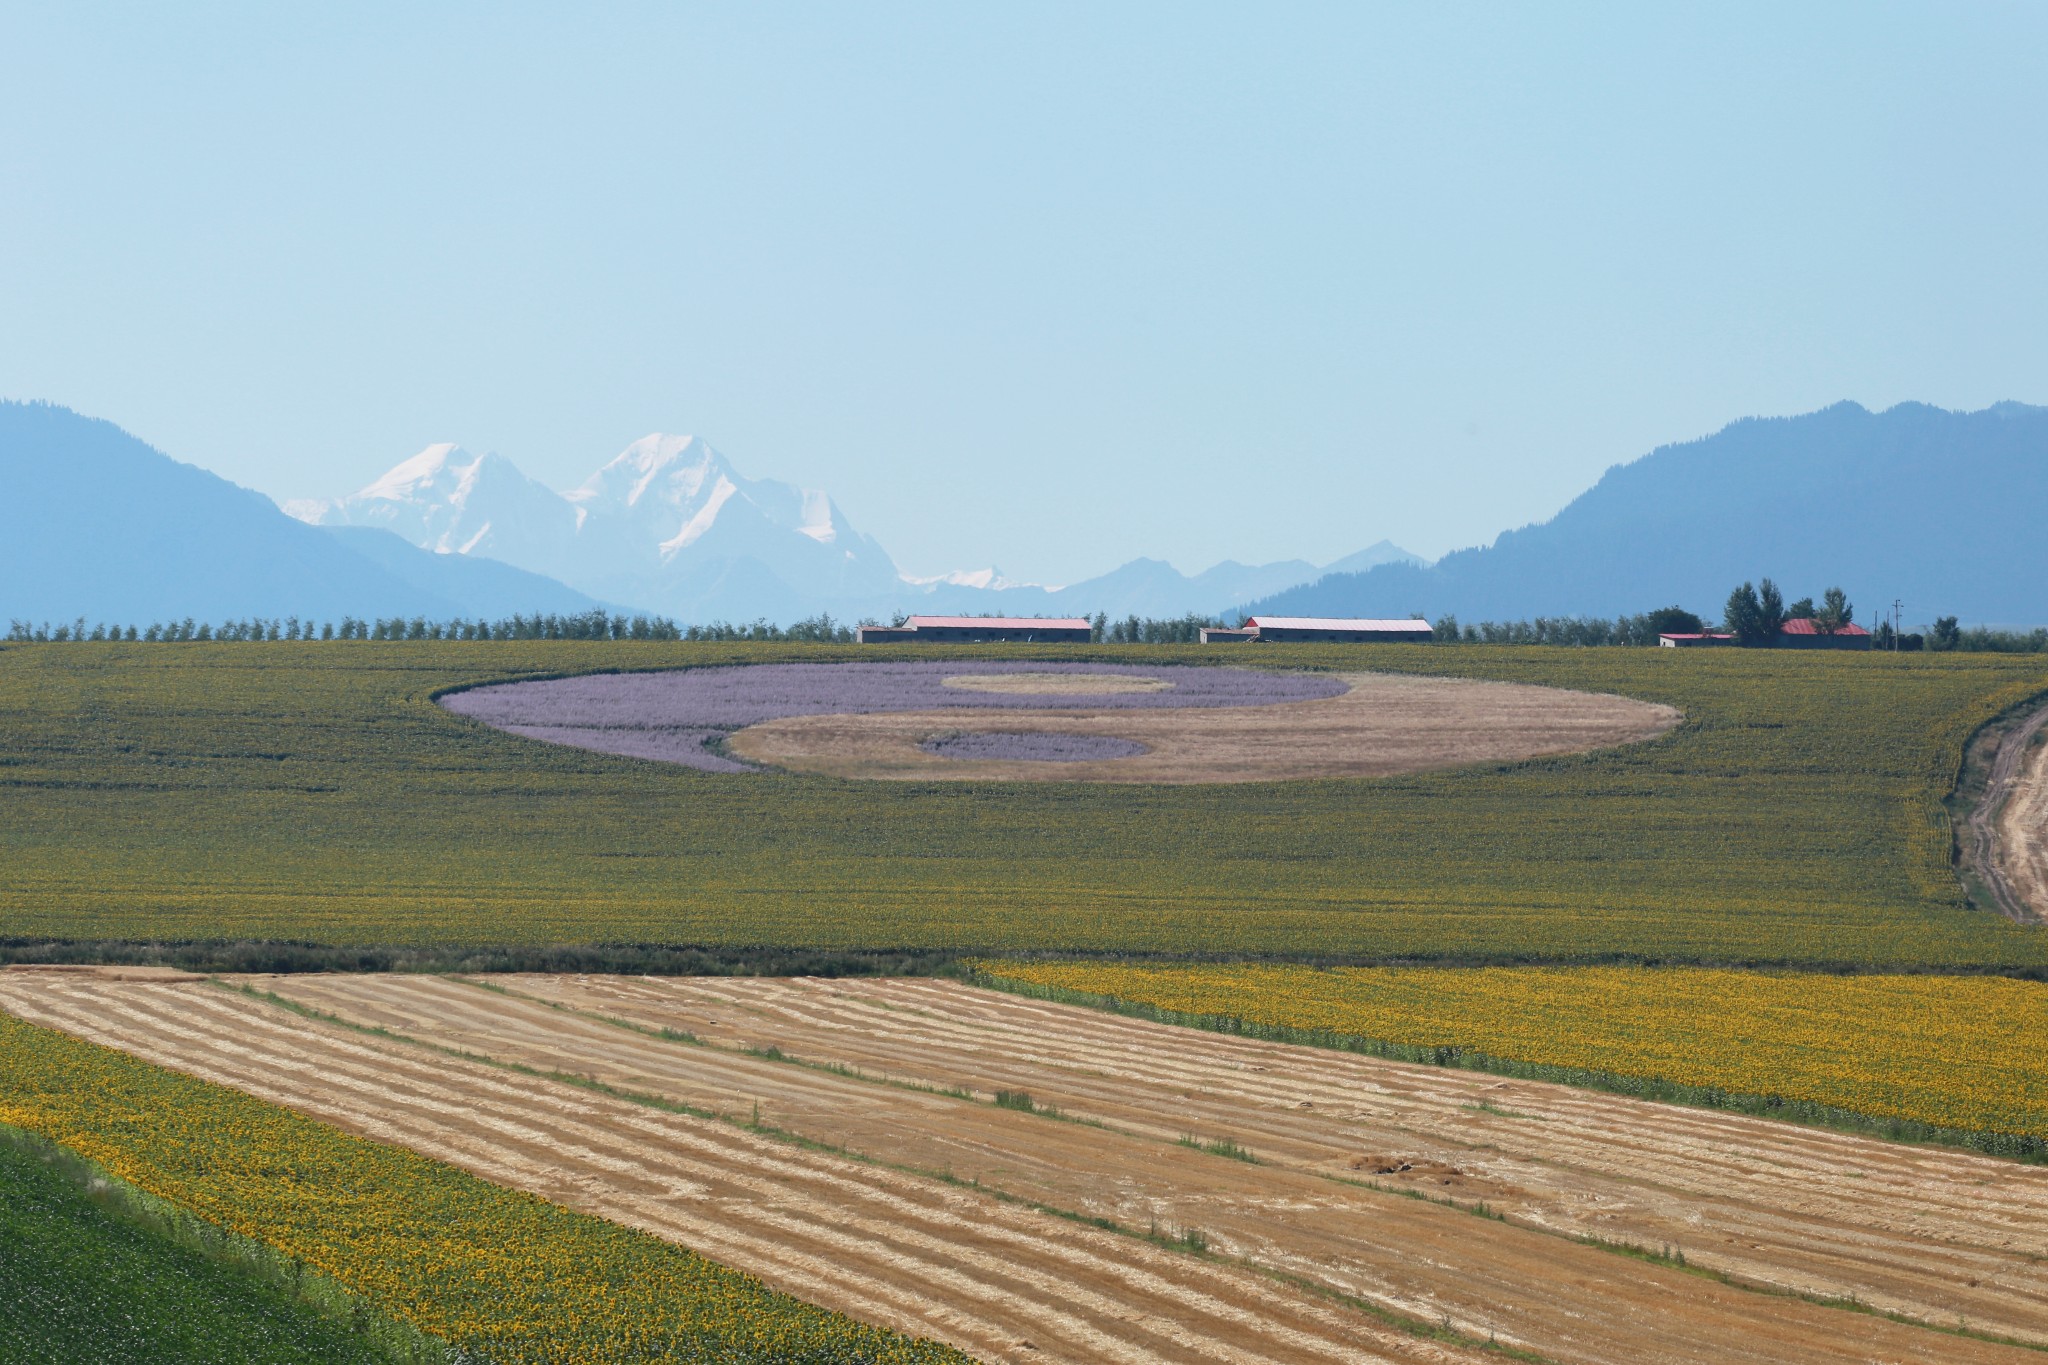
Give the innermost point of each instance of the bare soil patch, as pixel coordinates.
(2023, 826)
(2002, 801)
(1949, 1236)
(1384, 724)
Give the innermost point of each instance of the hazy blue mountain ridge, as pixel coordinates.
(96, 523)
(1942, 510)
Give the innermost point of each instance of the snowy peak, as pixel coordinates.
(673, 471)
(665, 514)
(425, 474)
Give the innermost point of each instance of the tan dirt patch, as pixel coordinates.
(2023, 829)
(1055, 684)
(1385, 724)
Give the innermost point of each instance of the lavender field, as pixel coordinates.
(676, 716)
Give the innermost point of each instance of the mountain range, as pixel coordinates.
(670, 525)
(1938, 509)
(95, 523)
(1941, 511)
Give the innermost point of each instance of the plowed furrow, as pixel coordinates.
(1561, 1298)
(1931, 1233)
(911, 1253)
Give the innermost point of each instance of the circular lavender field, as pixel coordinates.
(1036, 746)
(678, 716)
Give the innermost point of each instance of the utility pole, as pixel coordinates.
(1898, 618)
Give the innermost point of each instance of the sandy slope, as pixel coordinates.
(2022, 832)
(1787, 1204)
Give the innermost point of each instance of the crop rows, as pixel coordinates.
(258, 791)
(1955, 1053)
(82, 1281)
(508, 1277)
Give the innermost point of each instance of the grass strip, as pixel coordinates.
(100, 1266)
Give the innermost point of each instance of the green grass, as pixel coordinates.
(314, 792)
(91, 1272)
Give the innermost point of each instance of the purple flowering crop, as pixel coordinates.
(673, 715)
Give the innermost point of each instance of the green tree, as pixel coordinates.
(1835, 611)
(1802, 610)
(1743, 616)
(1946, 634)
(1673, 621)
(1770, 610)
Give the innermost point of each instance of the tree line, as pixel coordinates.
(1754, 615)
(590, 625)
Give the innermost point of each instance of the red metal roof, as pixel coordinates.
(1339, 623)
(1803, 626)
(1004, 622)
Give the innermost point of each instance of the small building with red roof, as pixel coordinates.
(1806, 633)
(1800, 633)
(969, 630)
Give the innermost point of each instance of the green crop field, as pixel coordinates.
(79, 1284)
(314, 792)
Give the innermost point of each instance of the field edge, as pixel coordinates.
(2027, 1148)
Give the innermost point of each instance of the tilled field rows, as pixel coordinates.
(915, 1254)
(1937, 1235)
(943, 1259)
(1934, 1235)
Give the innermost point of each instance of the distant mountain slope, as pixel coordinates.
(95, 523)
(668, 525)
(1942, 510)
(482, 587)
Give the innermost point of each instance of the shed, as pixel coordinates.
(1335, 629)
(963, 630)
(1809, 634)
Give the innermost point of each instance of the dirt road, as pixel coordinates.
(1317, 1121)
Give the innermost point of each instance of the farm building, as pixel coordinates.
(1805, 634)
(1797, 634)
(966, 630)
(1319, 629)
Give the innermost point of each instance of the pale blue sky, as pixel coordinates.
(1044, 285)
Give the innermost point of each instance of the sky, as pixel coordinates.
(1043, 286)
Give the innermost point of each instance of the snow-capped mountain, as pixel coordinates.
(668, 525)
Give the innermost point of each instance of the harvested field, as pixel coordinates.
(1381, 725)
(1925, 1233)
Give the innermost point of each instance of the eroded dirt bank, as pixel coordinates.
(2022, 830)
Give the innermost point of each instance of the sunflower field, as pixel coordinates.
(314, 792)
(1958, 1053)
(505, 1277)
